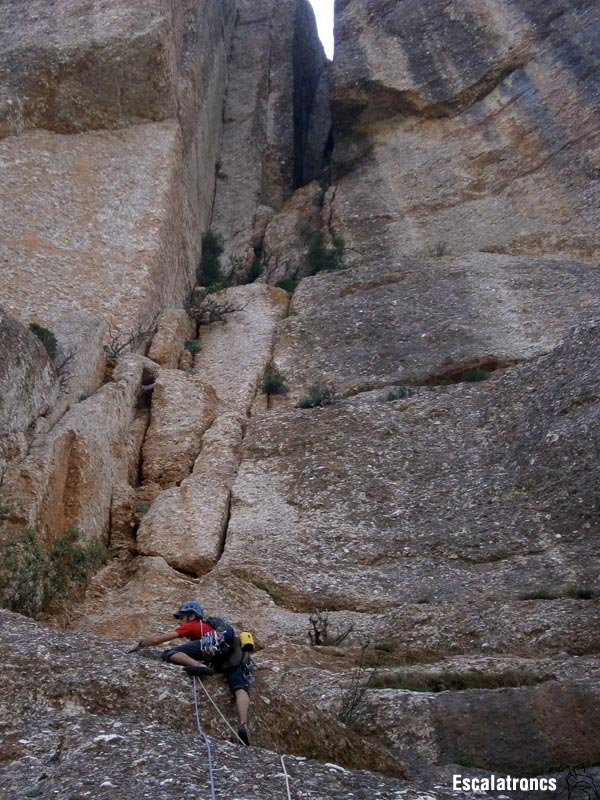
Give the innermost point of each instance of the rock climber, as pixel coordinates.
(211, 648)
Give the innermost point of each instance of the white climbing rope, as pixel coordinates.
(218, 710)
(287, 779)
(226, 721)
(213, 795)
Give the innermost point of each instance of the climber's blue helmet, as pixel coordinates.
(190, 607)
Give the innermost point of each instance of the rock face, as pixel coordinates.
(90, 706)
(466, 127)
(183, 408)
(199, 421)
(275, 118)
(417, 320)
(107, 216)
(29, 386)
(440, 484)
(69, 474)
(284, 249)
(428, 484)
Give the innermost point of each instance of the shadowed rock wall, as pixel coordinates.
(275, 119)
(467, 126)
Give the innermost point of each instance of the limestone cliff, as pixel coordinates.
(111, 117)
(407, 445)
(467, 125)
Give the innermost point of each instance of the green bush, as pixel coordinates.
(454, 681)
(209, 269)
(288, 284)
(541, 594)
(399, 393)
(466, 762)
(385, 647)
(256, 268)
(581, 593)
(319, 394)
(33, 574)
(46, 337)
(475, 375)
(274, 383)
(323, 257)
(193, 346)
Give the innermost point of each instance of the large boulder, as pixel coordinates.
(186, 524)
(70, 472)
(284, 244)
(183, 409)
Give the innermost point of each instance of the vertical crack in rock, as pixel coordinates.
(226, 524)
(187, 523)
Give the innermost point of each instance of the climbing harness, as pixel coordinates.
(205, 737)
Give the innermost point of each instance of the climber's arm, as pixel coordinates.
(158, 638)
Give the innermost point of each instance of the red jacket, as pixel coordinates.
(193, 630)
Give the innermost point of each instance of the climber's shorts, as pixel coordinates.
(192, 649)
(237, 679)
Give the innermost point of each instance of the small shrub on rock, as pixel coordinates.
(399, 393)
(288, 284)
(321, 393)
(204, 307)
(32, 574)
(142, 506)
(321, 635)
(475, 375)
(208, 272)
(354, 694)
(439, 250)
(122, 341)
(193, 346)
(581, 593)
(321, 256)
(46, 337)
(274, 383)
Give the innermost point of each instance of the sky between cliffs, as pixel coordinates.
(324, 14)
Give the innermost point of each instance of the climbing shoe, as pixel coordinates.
(202, 670)
(243, 734)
